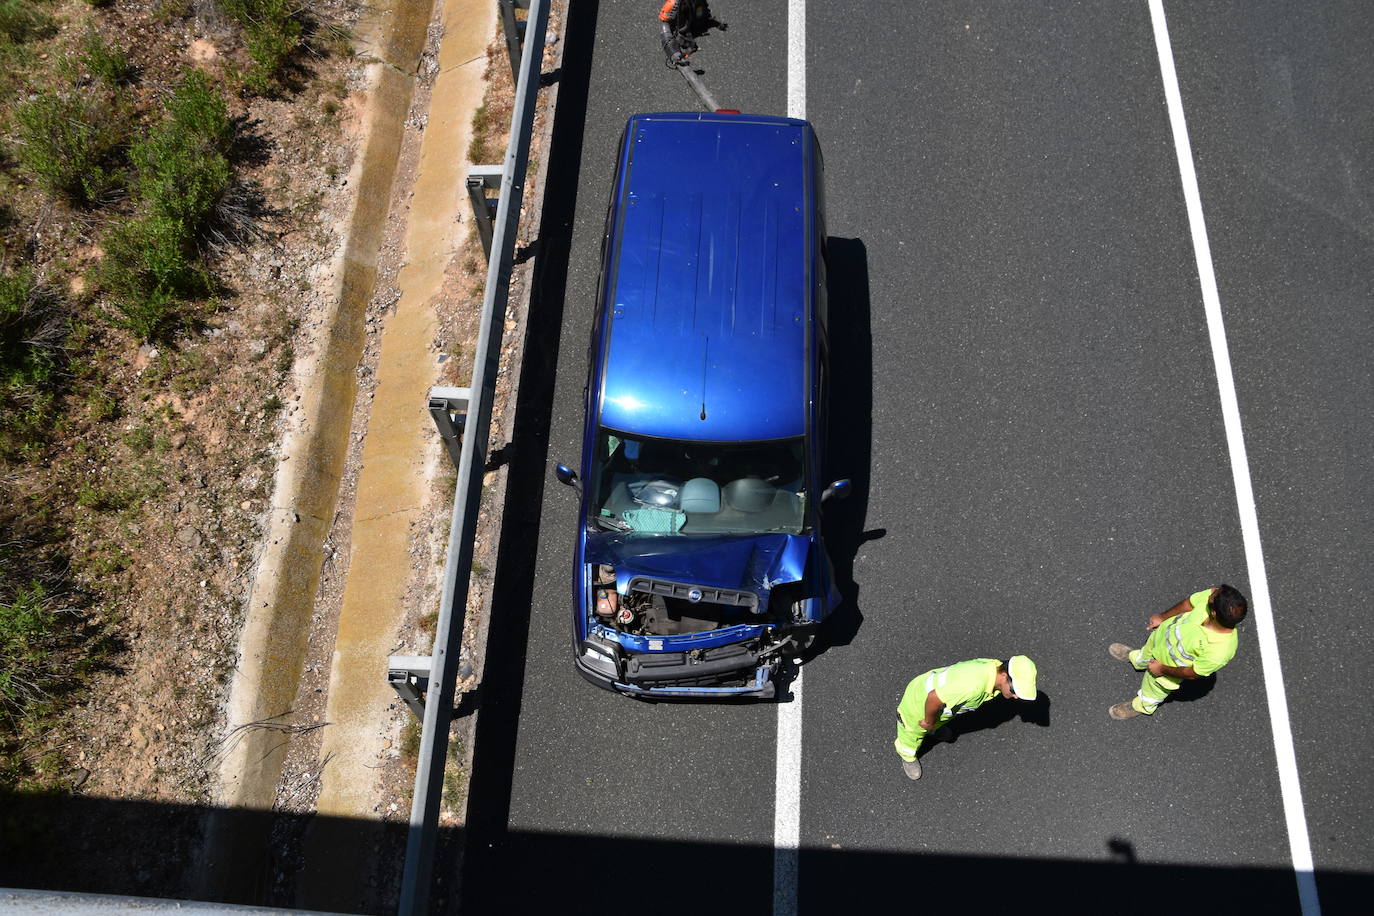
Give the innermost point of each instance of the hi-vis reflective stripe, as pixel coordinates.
(1175, 644)
(903, 749)
(1147, 701)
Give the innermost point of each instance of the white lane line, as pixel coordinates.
(796, 58)
(787, 779)
(1299, 846)
(787, 803)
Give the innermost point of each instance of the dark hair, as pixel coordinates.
(1229, 605)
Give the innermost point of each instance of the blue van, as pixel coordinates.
(699, 560)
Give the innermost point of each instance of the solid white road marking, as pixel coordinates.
(796, 58)
(787, 781)
(787, 803)
(1299, 846)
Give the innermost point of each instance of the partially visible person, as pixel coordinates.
(1193, 639)
(932, 699)
(681, 23)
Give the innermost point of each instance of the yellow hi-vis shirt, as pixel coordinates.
(1184, 641)
(961, 687)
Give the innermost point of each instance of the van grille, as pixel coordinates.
(709, 595)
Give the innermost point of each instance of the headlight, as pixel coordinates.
(600, 658)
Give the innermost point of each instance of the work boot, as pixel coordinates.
(1120, 651)
(1124, 711)
(912, 769)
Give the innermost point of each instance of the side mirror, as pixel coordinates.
(837, 490)
(565, 475)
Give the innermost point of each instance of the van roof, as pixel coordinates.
(710, 289)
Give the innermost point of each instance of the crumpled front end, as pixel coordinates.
(714, 621)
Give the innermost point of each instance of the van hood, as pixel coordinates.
(754, 562)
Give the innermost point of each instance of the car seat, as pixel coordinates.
(700, 494)
(749, 494)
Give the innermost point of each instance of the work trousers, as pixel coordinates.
(1153, 690)
(909, 714)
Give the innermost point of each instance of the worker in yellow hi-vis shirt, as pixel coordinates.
(932, 699)
(1193, 639)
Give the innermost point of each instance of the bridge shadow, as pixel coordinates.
(76, 843)
(138, 848)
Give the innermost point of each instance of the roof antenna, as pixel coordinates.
(706, 342)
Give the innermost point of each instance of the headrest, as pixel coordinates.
(749, 494)
(700, 494)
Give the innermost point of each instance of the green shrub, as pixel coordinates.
(153, 262)
(150, 268)
(29, 644)
(28, 333)
(139, 439)
(32, 329)
(106, 63)
(22, 20)
(271, 31)
(73, 143)
(183, 165)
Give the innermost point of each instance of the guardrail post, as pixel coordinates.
(448, 407)
(480, 179)
(409, 676)
(514, 32)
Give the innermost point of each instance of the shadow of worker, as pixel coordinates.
(991, 714)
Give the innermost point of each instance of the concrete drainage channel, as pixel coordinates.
(275, 637)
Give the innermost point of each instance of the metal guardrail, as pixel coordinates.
(472, 459)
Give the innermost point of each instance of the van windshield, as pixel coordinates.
(675, 487)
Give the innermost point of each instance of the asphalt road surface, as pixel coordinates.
(1026, 399)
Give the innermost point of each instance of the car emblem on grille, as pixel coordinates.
(694, 595)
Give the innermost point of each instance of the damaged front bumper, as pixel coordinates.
(732, 670)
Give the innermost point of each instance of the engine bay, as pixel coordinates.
(645, 610)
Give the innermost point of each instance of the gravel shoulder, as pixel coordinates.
(248, 718)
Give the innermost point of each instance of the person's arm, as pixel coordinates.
(933, 706)
(667, 37)
(1156, 619)
(1158, 668)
